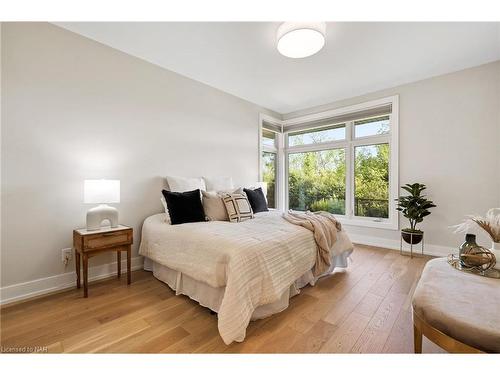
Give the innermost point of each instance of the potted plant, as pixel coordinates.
(414, 207)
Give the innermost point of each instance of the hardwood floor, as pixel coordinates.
(364, 309)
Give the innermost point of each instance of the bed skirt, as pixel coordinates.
(211, 297)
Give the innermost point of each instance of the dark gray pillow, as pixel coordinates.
(185, 207)
(257, 200)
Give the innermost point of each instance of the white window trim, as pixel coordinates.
(348, 144)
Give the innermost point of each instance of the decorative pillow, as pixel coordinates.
(219, 183)
(238, 207)
(260, 184)
(214, 207)
(257, 200)
(184, 207)
(180, 184)
(255, 185)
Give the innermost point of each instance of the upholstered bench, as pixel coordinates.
(456, 310)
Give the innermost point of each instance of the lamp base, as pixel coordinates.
(96, 215)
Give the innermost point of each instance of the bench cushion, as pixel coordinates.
(463, 306)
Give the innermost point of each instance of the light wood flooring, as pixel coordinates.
(364, 309)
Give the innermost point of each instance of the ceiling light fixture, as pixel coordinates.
(300, 39)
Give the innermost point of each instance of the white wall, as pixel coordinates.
(74, 109)
(449, 140)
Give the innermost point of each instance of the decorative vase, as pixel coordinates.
(495, 249)
(467, 246)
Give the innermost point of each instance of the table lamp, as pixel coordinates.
(101, 192)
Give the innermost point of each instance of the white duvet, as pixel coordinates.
(255, 260)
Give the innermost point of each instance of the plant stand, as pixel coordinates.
(401, 252)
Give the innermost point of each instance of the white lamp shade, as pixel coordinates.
(101, 191)
(300, 39)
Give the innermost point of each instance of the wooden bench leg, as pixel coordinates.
(417, 339)
(422, 328)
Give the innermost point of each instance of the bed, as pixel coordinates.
(243, 271)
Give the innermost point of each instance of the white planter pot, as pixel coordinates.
(495, 249)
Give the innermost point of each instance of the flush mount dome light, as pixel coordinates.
(300, 39)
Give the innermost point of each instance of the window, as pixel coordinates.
(321, 135)
(342, 161)
(269, 176)
(317, 175)
(370, 127)
(317, 181)
(270, 146)
(268, 138)
(371, 181)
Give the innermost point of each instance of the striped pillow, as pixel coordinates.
(238, 207)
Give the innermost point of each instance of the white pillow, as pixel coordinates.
(219, 183)
(181, 184)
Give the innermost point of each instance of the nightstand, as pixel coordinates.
(90, 243)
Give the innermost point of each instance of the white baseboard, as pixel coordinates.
(429, 249)
(18, 292)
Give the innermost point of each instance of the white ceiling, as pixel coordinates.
(241, 58)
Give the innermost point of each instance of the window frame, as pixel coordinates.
(349, 144)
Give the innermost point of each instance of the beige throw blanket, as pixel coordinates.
(324, 227)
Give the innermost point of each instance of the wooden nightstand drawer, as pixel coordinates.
(107, 239)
